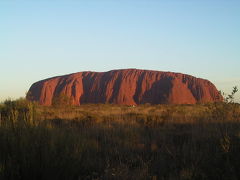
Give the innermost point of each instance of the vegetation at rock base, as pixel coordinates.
(105, 141)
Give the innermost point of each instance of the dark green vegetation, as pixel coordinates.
(119, 142)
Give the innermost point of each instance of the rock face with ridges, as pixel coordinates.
(127, 86)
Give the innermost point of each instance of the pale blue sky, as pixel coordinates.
(45, 38)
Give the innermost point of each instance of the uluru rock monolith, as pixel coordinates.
(126, 86)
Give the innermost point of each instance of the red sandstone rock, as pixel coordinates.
(127, 86)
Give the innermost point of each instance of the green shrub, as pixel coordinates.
(61, 100)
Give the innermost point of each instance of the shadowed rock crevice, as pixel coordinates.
(160, 90)
(139, 89)
(116, 88)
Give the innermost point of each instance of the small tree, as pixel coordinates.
(230, 97)
(61, 100)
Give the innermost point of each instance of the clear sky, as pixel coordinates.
(45, 38)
